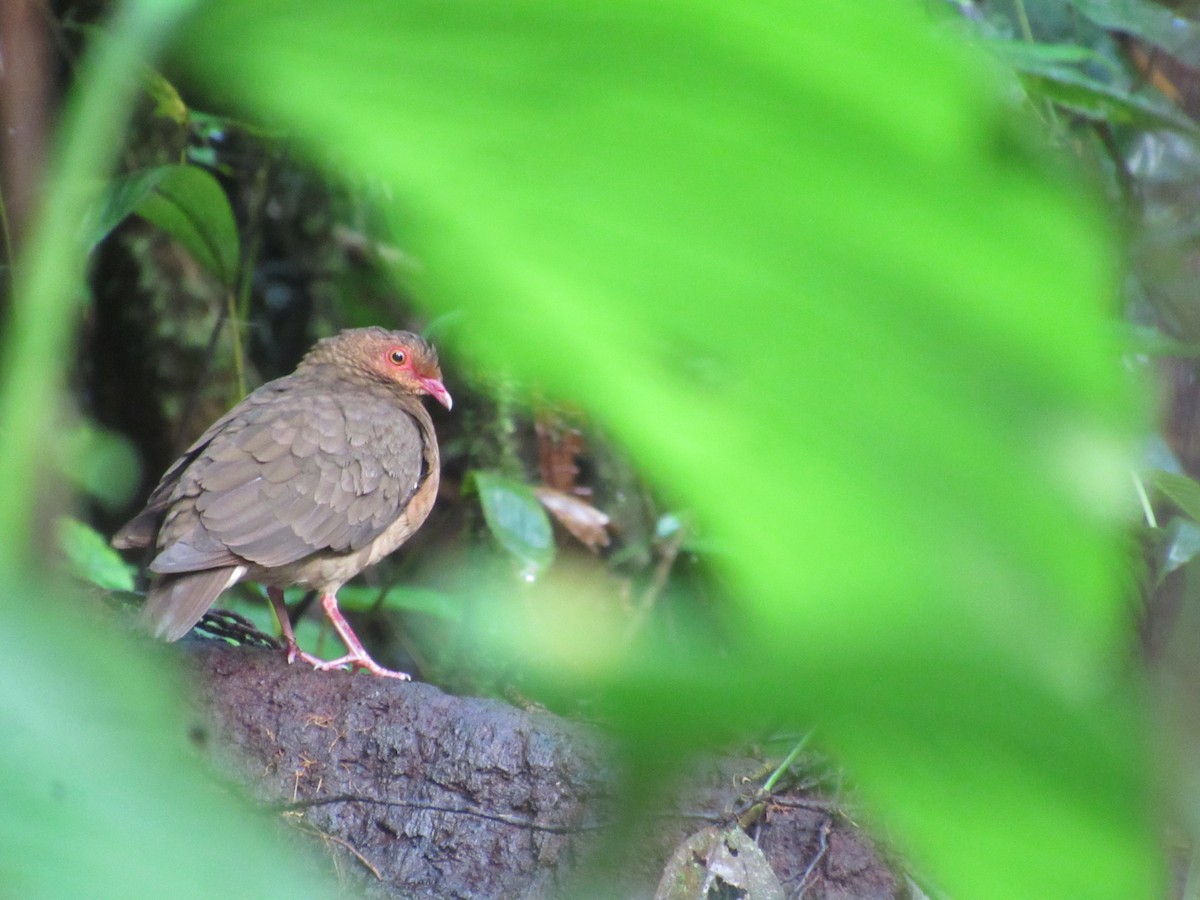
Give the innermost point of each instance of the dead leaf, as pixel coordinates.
(710, 862)
(559, 444)
(588, 524)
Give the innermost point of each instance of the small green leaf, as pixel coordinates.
(184, 201)
(1179, 489)
(516, 519)
(90, 558)
(117, 203)
(1036, 59)
(167, 102)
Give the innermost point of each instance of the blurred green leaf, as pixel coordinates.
(112, 775)
(103, 792)
(1101, 102)
(1089, 84)
(1184, 492)
(167, 102)
(1155, 23)
(1181, 544)
(100, 464)
(825, 290)
(91, 558)
(516, 519)
(184, 201)
(1048, 59)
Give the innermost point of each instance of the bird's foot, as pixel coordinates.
(285, 623)
(355, 661)
(292, 650)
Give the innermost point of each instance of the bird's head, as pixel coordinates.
(395, 357)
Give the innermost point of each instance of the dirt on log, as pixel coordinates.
(417, 793)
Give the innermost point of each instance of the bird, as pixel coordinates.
(307, 481)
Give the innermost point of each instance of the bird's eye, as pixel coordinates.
(397, 357)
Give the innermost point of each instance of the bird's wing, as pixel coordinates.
(142, 529)
(302, 473)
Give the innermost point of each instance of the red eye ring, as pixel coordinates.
(397, 357)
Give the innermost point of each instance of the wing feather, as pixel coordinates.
(278, 483)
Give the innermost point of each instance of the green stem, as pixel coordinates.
(1023, 21)
(1144, 499)
(769, 784)
(235, 334)
(6, 228)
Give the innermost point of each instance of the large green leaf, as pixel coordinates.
(816, 278)
(184, 201)
(103, 792)
(104, 795)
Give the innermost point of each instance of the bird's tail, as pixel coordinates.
(176, 602)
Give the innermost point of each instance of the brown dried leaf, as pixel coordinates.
(588, 524)
(558, 446)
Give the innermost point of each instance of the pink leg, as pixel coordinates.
(357, 657)
(275, 595)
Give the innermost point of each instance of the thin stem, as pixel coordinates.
(6, 228)
(770, 783)
(1144, 499)
(235, 334)
(1023, 21)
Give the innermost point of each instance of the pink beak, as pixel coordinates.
(438, 391)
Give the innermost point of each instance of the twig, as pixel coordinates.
(502, 818)
(813, 804)
(662, 571)
(822, 846)
(342, 842)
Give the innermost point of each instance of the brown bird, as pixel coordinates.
(309, 480)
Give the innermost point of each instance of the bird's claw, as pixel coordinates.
(349, 661)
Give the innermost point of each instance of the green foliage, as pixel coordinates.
(826, 291)
(516, 519)
(184, 201)
(104, 796)
(851, 319)
(1100, 102)
(1181, 490)
(99, 464)
(1152, 22)
(91, 558)
(102, 793)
